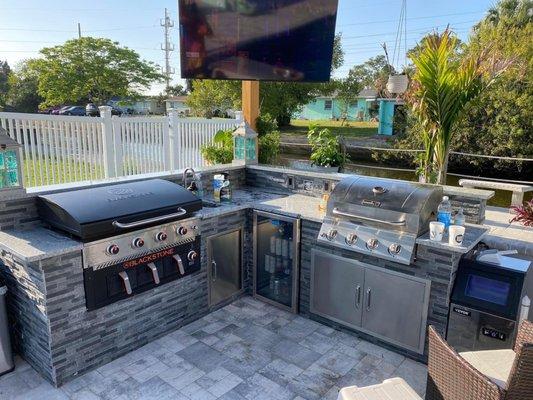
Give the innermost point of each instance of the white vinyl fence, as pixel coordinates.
(60, 149)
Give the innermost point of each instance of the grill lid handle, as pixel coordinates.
(136, 224)
(336, 211)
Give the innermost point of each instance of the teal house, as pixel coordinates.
(331, 108)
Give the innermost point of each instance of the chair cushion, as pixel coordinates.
(394, 388)
(494, 364)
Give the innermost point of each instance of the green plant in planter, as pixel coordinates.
(269, 144)
(221, 150)
(326, 148)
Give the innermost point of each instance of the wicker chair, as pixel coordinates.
(451, 377)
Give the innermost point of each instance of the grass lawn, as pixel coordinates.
(63, 172)
(350, 128)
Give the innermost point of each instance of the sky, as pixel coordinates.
(28, 25)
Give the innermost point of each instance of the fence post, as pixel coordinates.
(173, 141)
(117, 146)
(108, 142)
(239, 116)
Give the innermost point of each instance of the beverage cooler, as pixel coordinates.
(276, 259)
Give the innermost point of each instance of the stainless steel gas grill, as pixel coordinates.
(379, 216)
(136, 236)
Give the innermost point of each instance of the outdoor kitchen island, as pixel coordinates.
(61, 339)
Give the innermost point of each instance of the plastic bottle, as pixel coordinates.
(444, 212)
(459, 218)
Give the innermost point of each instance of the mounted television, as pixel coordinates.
(266, 40)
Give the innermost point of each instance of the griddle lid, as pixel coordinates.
(91, 205)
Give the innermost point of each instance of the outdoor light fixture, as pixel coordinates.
(10, 162)
(244, 145)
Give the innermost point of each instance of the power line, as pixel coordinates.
(410, 19)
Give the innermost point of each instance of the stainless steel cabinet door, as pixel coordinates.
(395, 307)
(224, 265)
(337, 288)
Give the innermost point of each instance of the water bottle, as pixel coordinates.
(459, 218)
(444, 212)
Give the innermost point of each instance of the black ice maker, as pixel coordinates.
(485, 305)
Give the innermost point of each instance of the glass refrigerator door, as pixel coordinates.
(276, 259)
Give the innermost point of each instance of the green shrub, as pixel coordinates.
(265, 124)
(269, 147)
(221, 150)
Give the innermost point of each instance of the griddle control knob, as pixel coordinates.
(192, 256)
(181, 231)
(395, 248)
(351, 239)
(372, 244)
(137, 243)
(160, 236)
(112, 250)
(331, 235)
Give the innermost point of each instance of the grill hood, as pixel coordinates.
(109, 210)
(385, 203)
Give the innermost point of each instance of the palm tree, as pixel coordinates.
(441, 89)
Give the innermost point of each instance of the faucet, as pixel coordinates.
(186, 173)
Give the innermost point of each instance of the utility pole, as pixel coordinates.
(168, 47)
(79, 30)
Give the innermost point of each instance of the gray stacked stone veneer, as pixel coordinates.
(439, 266)
(17, 210)
(55, 333)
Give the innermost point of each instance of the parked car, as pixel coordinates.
(91, 110)
(75, 110)
(57, 111)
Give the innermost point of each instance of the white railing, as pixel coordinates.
(61, 149)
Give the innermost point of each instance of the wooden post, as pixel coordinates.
(250, 102)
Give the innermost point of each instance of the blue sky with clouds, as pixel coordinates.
(28, 25)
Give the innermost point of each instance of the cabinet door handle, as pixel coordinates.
(213, 271)
(368, 298)
(357, 296)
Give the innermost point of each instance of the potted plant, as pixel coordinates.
(221, 150)
(524, 214)
(327, 153)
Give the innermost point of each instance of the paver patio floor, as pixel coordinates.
(246, 350)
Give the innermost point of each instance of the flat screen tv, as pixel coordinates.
(266, 40)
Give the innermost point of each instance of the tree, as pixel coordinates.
(441, 90)
(348, 92)
(23, 89)
(5, 70)
(209, 96)
(91, 69)
(176, 90)
(373, 73)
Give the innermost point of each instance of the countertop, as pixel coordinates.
(40, 243)
(37, 244)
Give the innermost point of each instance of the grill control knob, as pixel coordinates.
(351, 239)
(112, 250)
(332, 234)
(181, 231)
(160, 236)
(372, 244)
(137, 243)
(192, 256)
(395, 248)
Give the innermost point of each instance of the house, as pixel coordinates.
(330, 107)
(178, 103)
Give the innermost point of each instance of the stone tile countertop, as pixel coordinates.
(294, 205)
(473, 235)
(36, 244)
